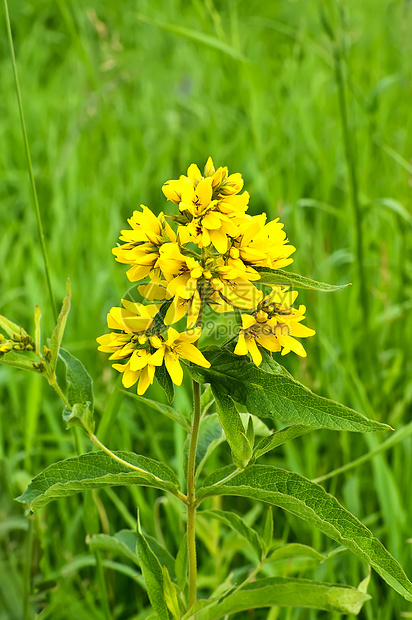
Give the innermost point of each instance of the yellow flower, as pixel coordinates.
(181, 346)
(263, 245)
(273, 326)
(150, 235)
(132, 322)
(212, 208)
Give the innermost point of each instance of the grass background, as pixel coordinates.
(121, 97)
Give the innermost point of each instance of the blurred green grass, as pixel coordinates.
(120, 98)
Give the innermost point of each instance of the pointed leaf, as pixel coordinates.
(9, 327)
(182, 563)
(79, 382)
(284, 592)
(79, 415)
(152, 573)
(276, 394)
(278, 438)
(237, 524)
(268, 529)
(94, 470)
(210, 436)
(250, 432)
(118, 544)
(37, 331)
(295, 549)
(166, 410)
(279, 276)
(58, 332)
(165, 382)
(18, 360)
(233, 426)
(170, 595)
(312, 503)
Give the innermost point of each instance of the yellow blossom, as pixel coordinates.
(178, 346)
(273, 326)
(144, 243)
(262, 244)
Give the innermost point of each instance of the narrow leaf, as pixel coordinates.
(120, 544)
(9, 327)
(37, 331)
(278, 276)
(276, 394)
(283, 592)
(170, 595)
(295, 549)
(210, 436)
(250, 432)
(278, 438)
(233, 426)
(237, 524)
(313, 504)
(58, 332)
(268, 529)
(79, 382)
(165, 382)
(166, 410)
(94, 470)
(182, 563)
(152, 573)
(17, 360)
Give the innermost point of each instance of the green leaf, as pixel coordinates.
(10, 328)
(278, 438)
(170, 595)
(58, 332)
(94, 470)
(268, 529)
(233, 426)
(312, 503)
(79, 415)
(122, 543)
(279, 276)
(250, 432)
(166, 410)
(79, 382)
(284, 592)
(182, 563)
(210, 436)
(236, 523)
(152, 573)
(165, 382)
(295, 549)
(17, 360)
(276, 394)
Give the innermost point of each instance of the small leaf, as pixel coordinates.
(37, 332)
(273, 393)
(165, 382)
(313, 504)
(234, 430)
(278, 438)
(58, 332)
(166, 410)
(210, 436)
(17, 360)
(237, 524)
(169, 594)
(268, 529)
(182, 563)
(279, 276)
(79, 415)
(94, 470)
(152, 573)
(122, 543)
(295, 549)
(79, 382)
(9, 327)
(250, 432)
(283, 592)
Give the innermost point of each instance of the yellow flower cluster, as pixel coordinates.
(212, 259)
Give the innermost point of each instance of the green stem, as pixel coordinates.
(191, 496)
(29, 164)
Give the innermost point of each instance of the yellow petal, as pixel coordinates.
(290, 344)
(173, 367)
(254, 351)
(190, 352)
(219, 240)
(241, 347)
(176, 310)
(146, 379)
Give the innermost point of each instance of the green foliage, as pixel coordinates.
(58, 332)
(94, 470)
(283, 591)
(271, 392)
(279, 276)
(310, 502)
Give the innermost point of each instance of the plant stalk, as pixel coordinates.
(191, 496)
